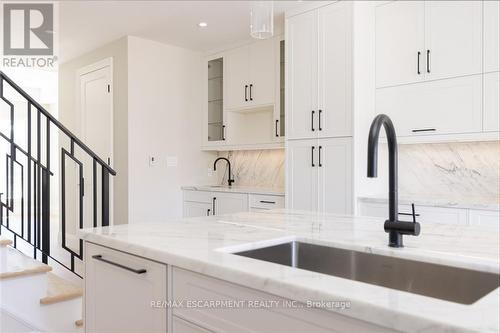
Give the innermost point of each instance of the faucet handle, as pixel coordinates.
(412, 214)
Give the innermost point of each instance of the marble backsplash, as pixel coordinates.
(256, 168)
(468, 170)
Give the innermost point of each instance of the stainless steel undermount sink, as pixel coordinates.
(443, 282)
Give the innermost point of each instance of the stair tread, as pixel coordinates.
(5, 241)
(60, 289)
(14, 263)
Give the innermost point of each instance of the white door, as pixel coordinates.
(491, 16)
(453, 38)
(399, 29)
(262, 72)
(335, 176)
(118, 299)
(435, 107)
(302, 71)
(228, 203)
(335, 70)
(302, 177)
(491, 105)
(95, 102)
(195, 209)
(236, 76)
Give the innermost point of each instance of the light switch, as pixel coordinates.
(153, 161)
(171, 161)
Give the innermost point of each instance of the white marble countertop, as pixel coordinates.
(236, 189)
(466, 203)
(201, 245)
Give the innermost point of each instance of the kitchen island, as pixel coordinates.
(192, 260)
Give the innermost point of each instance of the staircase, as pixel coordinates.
(51, 184)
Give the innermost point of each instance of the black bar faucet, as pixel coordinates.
(395, 228)
(230, 180)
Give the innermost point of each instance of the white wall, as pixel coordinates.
(165, 119)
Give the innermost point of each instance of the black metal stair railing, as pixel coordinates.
(31, 168)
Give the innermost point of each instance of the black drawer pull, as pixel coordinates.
(246, 93)
(268, 202)
(136, 271)
(423, 130)
(418, 62)
(276, 128)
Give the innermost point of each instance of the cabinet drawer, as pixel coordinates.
(119, 291)
(190, 286)
(266, 201)
(198, 196)
(489, 218)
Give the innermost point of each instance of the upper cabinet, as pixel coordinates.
(250, 75)
(427, 40)
(491, 18)
(319, 82)
(215, 100)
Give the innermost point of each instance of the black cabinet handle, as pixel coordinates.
(213, 205)
(418, 62)
(312, 156)
(423, 130)
(246, 93)
(312, 120)
(208, 212)
(276, 128)
(223, 132)
(428, 61)
(251, 98)
(268, 202)
(319, 156)
(319, 120)
(133, 270)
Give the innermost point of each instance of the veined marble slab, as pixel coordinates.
(202, 244)
(467, 203)
(236, 189)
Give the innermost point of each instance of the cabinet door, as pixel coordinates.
(489, 218)
(335, 70)
(237, 78)
(119, 300)
(491, 106)
(302, 70)
(491, 18)
(215, 101)
(335, 175)
(228, 203)
(262, 72)
(302, 178)
(453, 38)
(195, 209)
(399, 30)
(434, 107)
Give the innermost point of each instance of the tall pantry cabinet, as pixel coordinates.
(319, 109)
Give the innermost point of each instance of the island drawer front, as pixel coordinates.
(262, 201)
(198, 196)
(190, 286)
(119, 291)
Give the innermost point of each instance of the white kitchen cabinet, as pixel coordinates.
(480, 217)
(214, 116)
(491, 104)
(118, 294)
(319, 72)
(335, 175)
(399, 27)
(260, 202)
(436, 107)
(491, 12)
(195, 209)
(251, 75)
(302, 74)
(302, 177)
(453, 38)
(427, 40)
(227, 203)
(335, 70)
(320, 175)
(292, 318)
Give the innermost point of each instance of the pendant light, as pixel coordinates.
(262, 19)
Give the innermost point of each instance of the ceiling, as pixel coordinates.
(86, 25)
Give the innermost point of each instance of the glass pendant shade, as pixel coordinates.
(262, 19)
